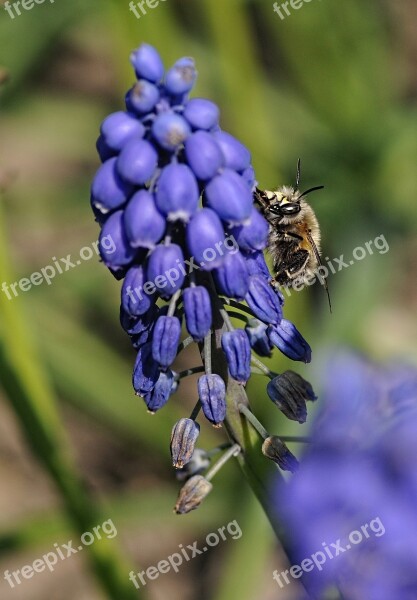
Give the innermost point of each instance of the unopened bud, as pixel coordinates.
(192, 494)
(275, 449)
(212, 395)
(289, 340)
(290, 392)
(183, 438)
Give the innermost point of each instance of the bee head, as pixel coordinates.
(285, 203)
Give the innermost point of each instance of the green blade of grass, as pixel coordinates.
(28, 392)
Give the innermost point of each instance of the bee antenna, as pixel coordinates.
(313, 189)
(297, 184)
(326, 287)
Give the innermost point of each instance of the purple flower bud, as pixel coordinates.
(146, 371)
(255, 261)
(113, 243)
(236, 155)
(232, 277)
(236, 346)
(263, 301)
(203, 155)
(183, 438)
(103, 149)
(192, 494)
(289, 340)
(212, 395)
(290, 392)
(140, 328)
(201, 113)
(134, 300)
(147, 63)
(108, 190)
(165, 340)
(177, 193)
(137, 161)
(181, 77)
(166, 269)
(144, 224)
(119, 128)
(160, 394)
(142, 98)
(249, 178)
(205, 238)
(258, 338)
(275, 449)
(137, 325)
(197, 309)
(170, 130)
(253, 235)
(229, 196)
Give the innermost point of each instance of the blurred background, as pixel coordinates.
(334, 84)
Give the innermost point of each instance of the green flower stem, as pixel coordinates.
(207, 353)
(195, 411)
(240, 306)
(260, 472)
(254, 421)
(173, 303)
(262, 367)
(182, 346)
(230, 452)
(192, 371)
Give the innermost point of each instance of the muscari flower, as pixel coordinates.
(359, 475)
(183, 438)
(175, 196)
(290, 392)
(275, 449)
(192, 494)
(258, 339)
(212, 395)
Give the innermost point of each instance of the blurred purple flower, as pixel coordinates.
(357, 483)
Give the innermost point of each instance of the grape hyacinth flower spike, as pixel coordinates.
(174, 194)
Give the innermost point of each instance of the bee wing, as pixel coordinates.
(317, 255)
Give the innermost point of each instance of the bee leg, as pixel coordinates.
(260, 197)
(274, 283)
(292, 268)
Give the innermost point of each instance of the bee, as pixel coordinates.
(294, 238)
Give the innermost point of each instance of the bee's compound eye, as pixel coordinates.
(276, 210)
(291, 208)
